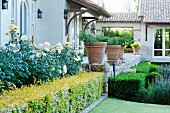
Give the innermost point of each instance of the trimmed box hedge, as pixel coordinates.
(126, 85)
(66, 95)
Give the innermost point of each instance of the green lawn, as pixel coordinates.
(111, 105)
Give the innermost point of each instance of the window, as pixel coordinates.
(162, 42)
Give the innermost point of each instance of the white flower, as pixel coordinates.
(39, 46)
(81, 51)
(59, 71)
(24, 37)
(43, 54)
(46, 49)
(65, 69)
(59, 51)
(47, 45)
(77, 59)
(38, 54)
(59, 44)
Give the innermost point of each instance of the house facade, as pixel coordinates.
(151, 28)
(61, 19)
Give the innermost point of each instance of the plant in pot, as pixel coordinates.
(113, 48)
(124, 41)
(136, 46)
(95, 47)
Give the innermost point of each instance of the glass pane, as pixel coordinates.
(167, 53)
(167, 38)
(158, 39)
(157, 53)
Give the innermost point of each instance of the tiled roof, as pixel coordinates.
(122, 17)
(92, 7)
(155, 11)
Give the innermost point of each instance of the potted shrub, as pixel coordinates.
(94, 46)
(136, 46)
(113, 48)
(124, 41)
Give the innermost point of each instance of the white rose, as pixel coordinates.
(38, 54)
(65, 69)
(39, 46)
(81, 51)
(59, 44)
(24, 37)
(43, 54)
(77, 59)
(47, 45)
(59, 51)
(46, 49)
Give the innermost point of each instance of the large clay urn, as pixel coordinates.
(95, 52)
(113, 52)
(121, 52)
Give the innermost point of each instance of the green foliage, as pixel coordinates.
(143, 67)
(65, 95)
(126, 85)
(136, 45)
(153, 67)
(101, 38)
(87, 38)
(23, 63)
(161, 90)
(126, 36)
(113, 41)
(153, 87)
(151, 78)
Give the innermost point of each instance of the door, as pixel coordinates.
(162, 42)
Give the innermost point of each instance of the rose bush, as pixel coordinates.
(23, 63)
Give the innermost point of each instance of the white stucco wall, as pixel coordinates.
(51, 27)
(5, 21)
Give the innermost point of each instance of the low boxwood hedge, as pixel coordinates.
(126, 85)
(66, 95)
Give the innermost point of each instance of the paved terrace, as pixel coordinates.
(129, 60)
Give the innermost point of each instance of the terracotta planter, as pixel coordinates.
(112, 52)
(137, 50)
(95, 52)
(121, 53)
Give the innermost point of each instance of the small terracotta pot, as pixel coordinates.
(112, 52)
(121, 53)
(137, 50)
(95, 52)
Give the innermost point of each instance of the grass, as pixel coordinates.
(112, 105)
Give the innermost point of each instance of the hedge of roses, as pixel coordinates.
(66, 95)
(24, 63)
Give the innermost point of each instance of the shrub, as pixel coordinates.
(113, 41)
(87, 38)
(151, 78)
(161, 90)
(71, 94)
(101, 38)
(143, 67)
(126, 85)
(22, 62)
(164, 70)
(153, 67)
